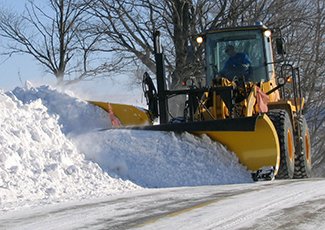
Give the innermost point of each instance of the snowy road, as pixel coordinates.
(294, 204)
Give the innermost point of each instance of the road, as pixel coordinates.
(283, 204)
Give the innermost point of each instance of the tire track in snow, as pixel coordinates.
(235, 218)
(306, 215)
(270, 205)
(211, 199)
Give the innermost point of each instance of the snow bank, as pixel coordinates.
(39, 163)
(75, 116)
(51, 150)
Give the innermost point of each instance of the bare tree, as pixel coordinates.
(55, 37)
(306, 43)
(129, 24)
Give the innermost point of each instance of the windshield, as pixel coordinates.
(239, 51)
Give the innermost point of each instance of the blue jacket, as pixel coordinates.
(236, 65)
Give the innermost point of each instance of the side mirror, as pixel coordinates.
(280, 49)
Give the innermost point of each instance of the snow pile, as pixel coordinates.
(38, 162)
(51, 150)
(75, 116)
(160, 159)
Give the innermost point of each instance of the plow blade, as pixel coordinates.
(255, 149)
(126, 114)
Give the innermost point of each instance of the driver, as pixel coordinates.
(237, 64)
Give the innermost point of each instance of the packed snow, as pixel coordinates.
(54, 149)
(268, 205)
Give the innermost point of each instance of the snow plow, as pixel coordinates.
(241, 102)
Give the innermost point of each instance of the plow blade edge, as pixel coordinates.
(255, 149)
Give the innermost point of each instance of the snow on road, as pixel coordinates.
(270, 205)
(296, 204)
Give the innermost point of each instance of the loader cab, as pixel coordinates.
(253, 42)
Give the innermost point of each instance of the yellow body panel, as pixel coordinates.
(269, 85)
(128, 115)
(256, 149)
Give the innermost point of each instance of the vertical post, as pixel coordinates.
(160, 74)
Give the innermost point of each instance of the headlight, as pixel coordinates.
(267, 33)
(199, 40)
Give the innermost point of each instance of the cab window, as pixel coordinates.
(248, 43)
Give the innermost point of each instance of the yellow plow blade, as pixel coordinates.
(253, 139)
(255, 149)
(128, 115)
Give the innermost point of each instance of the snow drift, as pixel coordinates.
(51, 150)
(39, 163)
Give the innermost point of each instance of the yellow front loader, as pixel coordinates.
(253, 111)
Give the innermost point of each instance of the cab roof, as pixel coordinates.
(240, 28)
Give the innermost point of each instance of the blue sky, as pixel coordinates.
(21, 68)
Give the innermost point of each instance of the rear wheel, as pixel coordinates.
(303, 150)
(284, 129)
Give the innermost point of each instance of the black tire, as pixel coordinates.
(284, 129)
(303, 165)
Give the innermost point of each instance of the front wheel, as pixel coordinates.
(303, 167)
(284, 129)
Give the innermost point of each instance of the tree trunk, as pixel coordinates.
(181, 19)
(59, 77)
